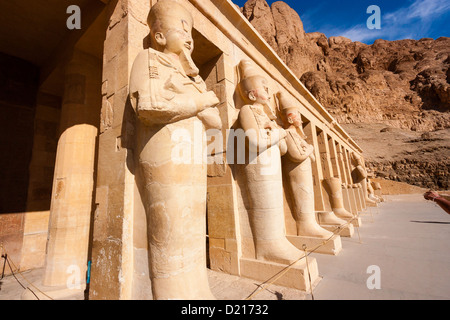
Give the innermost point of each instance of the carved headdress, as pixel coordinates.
(286, 102)
(170, 14)
(166, 14)
(249, 79)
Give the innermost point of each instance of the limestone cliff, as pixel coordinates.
(402, 84)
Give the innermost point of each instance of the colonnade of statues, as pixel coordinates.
(169, 95)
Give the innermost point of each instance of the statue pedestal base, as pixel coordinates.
(333, 246)
(296, 277)
(347, 231)
(370, 204)
(357, 222)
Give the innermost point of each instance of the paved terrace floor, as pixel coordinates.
(407, 237)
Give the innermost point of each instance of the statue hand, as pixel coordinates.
(211, 118)
(283, 133)
(207, 100)
(282, 145)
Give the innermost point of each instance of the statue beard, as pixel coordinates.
(268, 110)
(301, 132)
(188, 64)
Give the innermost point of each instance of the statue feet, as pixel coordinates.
(343, 213)
(314, 230)
(179, 285)
(374, 198)
(278, 251)
(329, 218)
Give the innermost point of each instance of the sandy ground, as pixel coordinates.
(409, 240)
(397, 144)
(406, 239)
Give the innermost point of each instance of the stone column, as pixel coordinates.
(361, 187)
(73, 184)
(321, 170)
(119, 245)
(344, 178)
(348, 181)
(339, 173)
(320, 196)
(42, 167)
(352, 192)
(331, 184)
(334, 158)
(222, 205)
(325, 154)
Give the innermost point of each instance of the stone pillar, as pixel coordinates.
(361, 187)
(222, 205)
(334, 158)
(346, 180)
(325, 155)
(119, 244)
(332, 196)
(321, 200)
(333, 147)
(42, 167)
(357, 192)
(352, 192)
(73, 184)
(323, 169)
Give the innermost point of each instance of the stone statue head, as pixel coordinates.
(357, 159)
(290, 110)
(254, 87)
(171, 27)
(171, 32)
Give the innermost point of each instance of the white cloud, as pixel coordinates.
(405, 23)
(427, 9)
(361, 33)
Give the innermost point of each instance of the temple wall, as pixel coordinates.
(18, 88)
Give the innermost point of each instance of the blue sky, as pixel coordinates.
(400, 19)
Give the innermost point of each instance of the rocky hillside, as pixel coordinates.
(398, 84)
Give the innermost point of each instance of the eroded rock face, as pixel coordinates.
(402, 83)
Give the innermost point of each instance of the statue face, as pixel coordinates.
(260, 91)
(294, 117)
(176, 40)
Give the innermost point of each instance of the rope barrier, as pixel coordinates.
(371, 214)
(309, 273)
(359, 236)
(9, 261)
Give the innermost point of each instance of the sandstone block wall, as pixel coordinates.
(18, 87)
